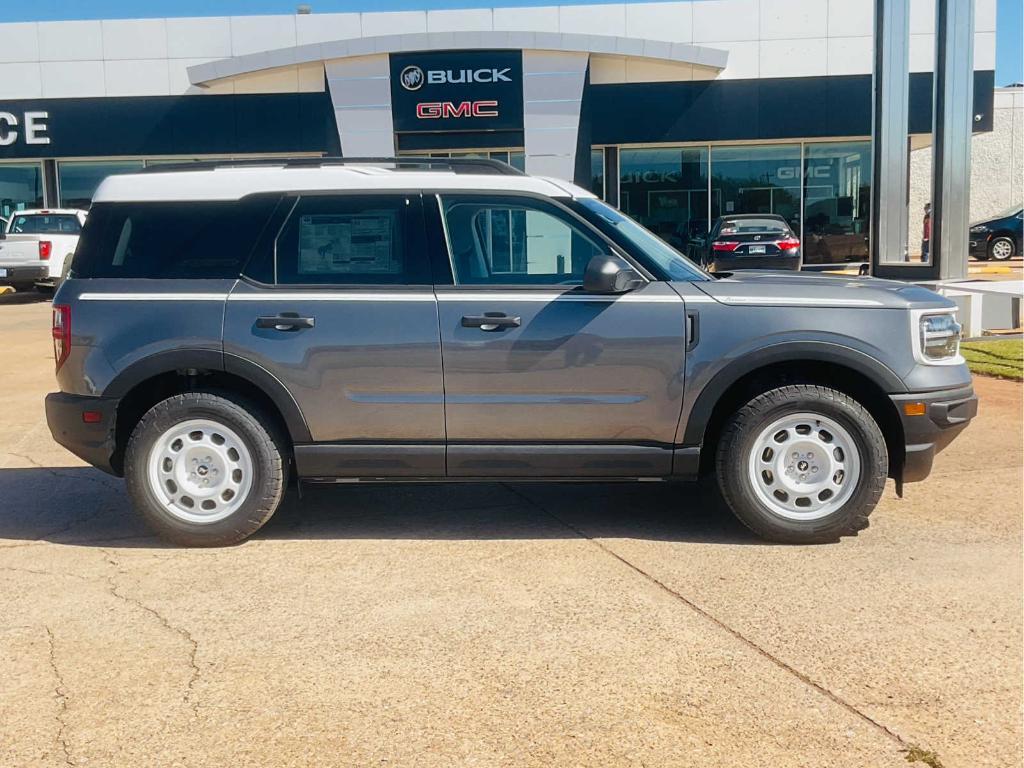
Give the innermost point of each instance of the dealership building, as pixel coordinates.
(676, 112)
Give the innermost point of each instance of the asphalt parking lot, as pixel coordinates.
(503, 625)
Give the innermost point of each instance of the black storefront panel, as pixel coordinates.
(758, 110)
(172, 125)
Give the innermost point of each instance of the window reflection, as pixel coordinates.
(666, 190)
(78, 181)
(21, 187)
(837, 202)
(597, 172)
(757, 179)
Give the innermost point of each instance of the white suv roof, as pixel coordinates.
(232, 182)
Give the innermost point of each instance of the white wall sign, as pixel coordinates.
(31, 128)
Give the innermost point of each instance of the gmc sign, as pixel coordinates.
(437, 110)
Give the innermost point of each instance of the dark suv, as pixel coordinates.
(226, 330)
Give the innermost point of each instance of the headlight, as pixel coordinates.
(940, 336)
(979, 228)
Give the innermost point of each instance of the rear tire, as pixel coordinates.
(203, 469)
(23, 287)
(802, 464)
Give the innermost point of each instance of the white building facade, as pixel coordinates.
(676, 112)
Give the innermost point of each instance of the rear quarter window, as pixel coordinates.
(45, 224)
(171, 240)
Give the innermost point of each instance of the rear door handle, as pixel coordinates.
(491, 321)
(286, 321)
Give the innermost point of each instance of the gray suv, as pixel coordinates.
(227, 330)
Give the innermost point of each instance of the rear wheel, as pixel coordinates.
(1002, 248)
(204, 470)
(802, 464)
(23, 287)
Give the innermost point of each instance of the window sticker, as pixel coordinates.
(343, 244)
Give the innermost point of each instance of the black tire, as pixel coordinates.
(738, 441)
(23, 287)
(1007, 247)
(266, 449)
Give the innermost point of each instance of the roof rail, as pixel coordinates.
(454, 164)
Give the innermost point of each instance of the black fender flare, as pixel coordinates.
(173, 360)
(783, 352)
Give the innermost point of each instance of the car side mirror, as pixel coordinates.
(610, 274)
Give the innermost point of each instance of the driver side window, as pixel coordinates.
(512, 240)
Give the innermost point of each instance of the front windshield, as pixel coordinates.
(663, 258)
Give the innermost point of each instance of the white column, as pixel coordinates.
(552, 95)
(360, 89)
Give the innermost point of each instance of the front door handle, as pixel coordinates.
(491, 321)
(286, 321)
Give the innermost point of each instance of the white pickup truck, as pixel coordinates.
(36, 247)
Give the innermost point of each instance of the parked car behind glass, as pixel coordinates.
(750, 241)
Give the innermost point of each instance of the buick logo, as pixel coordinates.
(411, 78)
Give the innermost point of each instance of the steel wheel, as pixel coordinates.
(200, 471)
(1001, 248)
(804, 466)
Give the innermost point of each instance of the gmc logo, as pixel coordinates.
(435, 110)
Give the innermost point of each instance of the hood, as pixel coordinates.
(809, 289)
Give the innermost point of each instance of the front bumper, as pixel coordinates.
(92, 442)
(33, 274)
(946, 415)
(979, 245)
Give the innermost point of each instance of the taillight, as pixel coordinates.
(61, 333)
(788, 243)
(724, 245)
(45, 249)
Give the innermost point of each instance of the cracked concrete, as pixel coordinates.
(62, 700)
(193, 646)
(491, 625)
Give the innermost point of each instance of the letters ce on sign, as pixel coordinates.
(452, 90)
(29, 127)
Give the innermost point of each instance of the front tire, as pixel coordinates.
(1002, 248)
(802, 464)
(204, 470)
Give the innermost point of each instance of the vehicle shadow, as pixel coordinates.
(82, 506)
(20, 297)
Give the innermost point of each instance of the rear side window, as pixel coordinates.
(352, 240)
(164, 240)
(45, 224)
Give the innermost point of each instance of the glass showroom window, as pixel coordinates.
(597, 172)
(757, 179)
(837, 202)
(78, 181)
(666, 190)
(21, 187)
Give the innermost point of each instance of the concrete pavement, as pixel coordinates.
(503, 625)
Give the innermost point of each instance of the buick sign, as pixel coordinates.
(411, 78)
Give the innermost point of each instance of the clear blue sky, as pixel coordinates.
(1009, 50)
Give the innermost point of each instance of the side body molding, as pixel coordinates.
(215, 360)
(696, 420)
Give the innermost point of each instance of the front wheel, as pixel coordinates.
(802, 464)
(204, 470)
(1002, 248)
